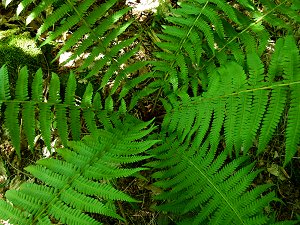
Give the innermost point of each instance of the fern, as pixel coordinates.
(86, 171)
(94, 31)
(201, 35)
(222, 97)
(213, 192)
(199, 185)
(250, 105)
(50, 110)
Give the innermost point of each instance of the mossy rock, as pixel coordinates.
(18, 49)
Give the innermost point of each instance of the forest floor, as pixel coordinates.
(286, 180)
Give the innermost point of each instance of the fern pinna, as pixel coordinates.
(248, 104)
(81, 180)
(50, 108)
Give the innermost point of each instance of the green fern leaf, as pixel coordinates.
(89, 117)
(45, 123)
(38, 10)
(8, 212)
(97, 102)
(70, 90)
(88, 204)
(61, 123)
(275, 67)
(256, 70)
(125, 73)
(68, 186)
(291, 67)
(101, 49)
(130, 84)
(215, 191)
(259, 103)
(233, 103)
(243, 116)
(96, 32)
(54, 89)
(115, 66)
(22, 85)
(28, 120)
(153, 87)
(291, 59)
(246, 3)
(68, 215)
(99, 64)
(276, 107)
(72, 20)
(54, 17)
(4, 85)
(75, 125)
(109, 104)
(87, 96)
(37, 87)
(12, 124)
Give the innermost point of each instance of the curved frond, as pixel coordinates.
(70, 185)
(206, 190)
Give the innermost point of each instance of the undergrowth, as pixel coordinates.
(225, 80)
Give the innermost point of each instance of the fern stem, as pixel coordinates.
(197, 101)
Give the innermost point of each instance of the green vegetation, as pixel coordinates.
(18, 49)
(222, 79)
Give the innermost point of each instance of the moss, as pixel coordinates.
(17, 50)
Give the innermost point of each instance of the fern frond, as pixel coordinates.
(256, 69)
(283, 9)
(213, 192)
(195, 29)
(248, 108)
(54, 17)
(95, 34)
(52, 112)
(85, 171)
